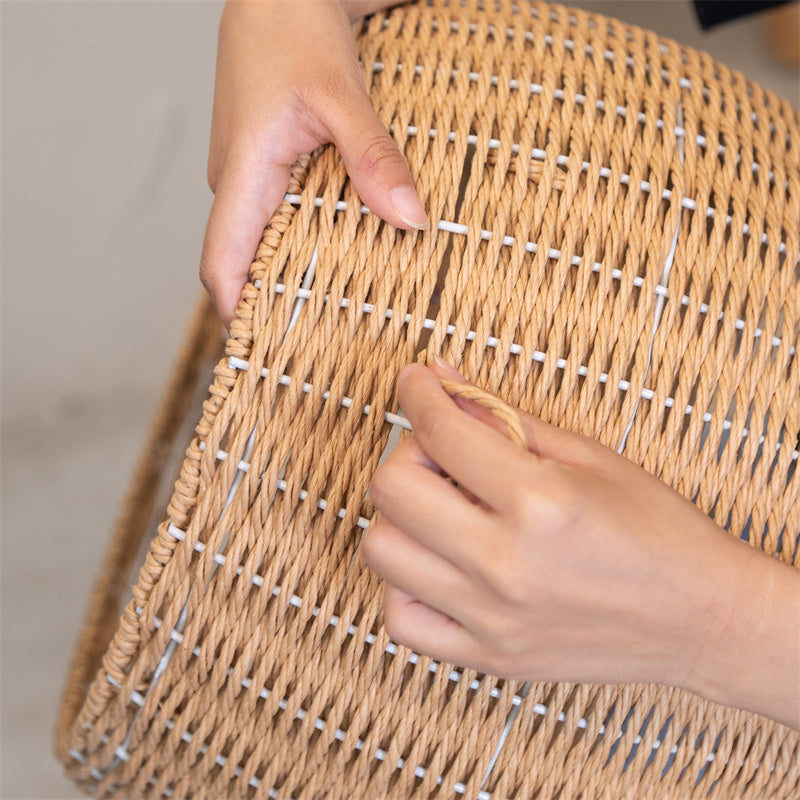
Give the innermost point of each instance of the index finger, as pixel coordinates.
(243, 204)
(480, 458)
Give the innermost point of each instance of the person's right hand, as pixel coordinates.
(288, 80)
(565, 561)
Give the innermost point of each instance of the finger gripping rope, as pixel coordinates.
(500, 409)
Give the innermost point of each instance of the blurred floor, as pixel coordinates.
(106, 111)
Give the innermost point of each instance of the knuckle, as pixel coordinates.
(223, 151)
(538, 503)
(384, 482)
(207, 273)
(379, 151)
(371, 547)
(331, 84)
(509, 581)
(509, 575)
(244, 152)
(517, 590)
(525, 503)
(394, 620)
(391, 622)
(502, 645)
(329, 90)
(212, 174)
(507, 665)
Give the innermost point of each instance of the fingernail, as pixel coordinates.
(408, 207)
(448, 368)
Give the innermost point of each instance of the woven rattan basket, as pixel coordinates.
(614, 247)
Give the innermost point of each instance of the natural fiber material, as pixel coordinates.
(502, 411)
(614, 247)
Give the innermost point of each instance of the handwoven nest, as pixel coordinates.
(614, 248)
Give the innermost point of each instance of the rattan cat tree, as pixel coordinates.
(614, 247)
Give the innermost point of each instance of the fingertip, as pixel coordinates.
(407, 372)
(443, 369)
(375, 163)
(409, 208)
(412, 374)
(447, 373)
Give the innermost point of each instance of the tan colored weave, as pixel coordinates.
(614, 247)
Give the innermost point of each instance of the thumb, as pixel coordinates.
(374, 163)
(479, 403)
(543, 439)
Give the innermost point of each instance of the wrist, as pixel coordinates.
(750, 657)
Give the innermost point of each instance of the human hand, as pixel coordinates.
(567, 562)
(288, 81)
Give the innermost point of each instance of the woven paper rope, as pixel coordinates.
(614, 247)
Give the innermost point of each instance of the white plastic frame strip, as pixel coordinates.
(660, 299)
(604, 172)
(340, 735)
(281, 485)
(396, 419)
(608, 55)
(580, 99)
(561, 160)
(380, 755)
(638, 281)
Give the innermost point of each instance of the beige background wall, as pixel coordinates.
(106, 109)
(105, 117)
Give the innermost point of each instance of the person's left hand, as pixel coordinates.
(564, 562)
(288, 80)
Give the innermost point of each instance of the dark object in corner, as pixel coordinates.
(713, 12)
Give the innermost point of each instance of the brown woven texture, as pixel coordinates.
(614, 247)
